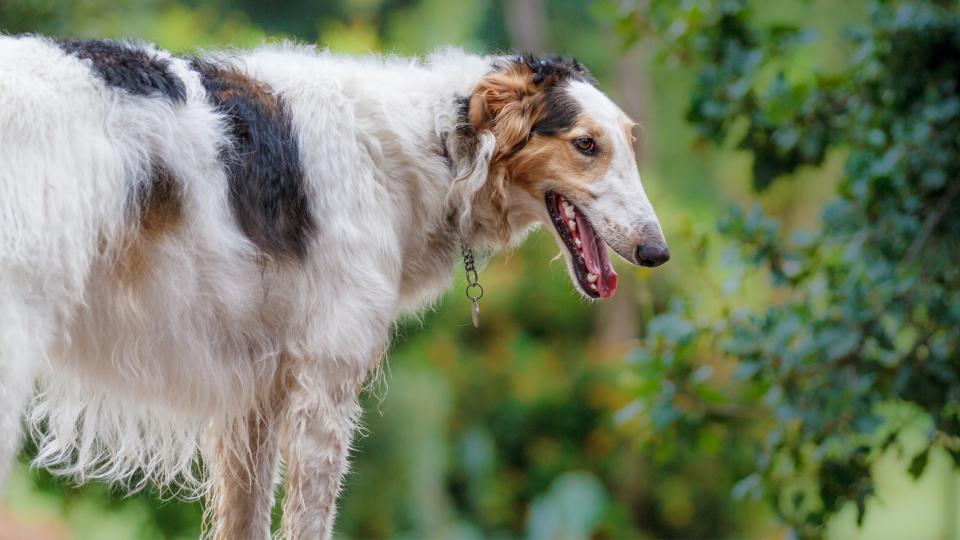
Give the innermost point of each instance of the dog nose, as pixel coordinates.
(652, 255)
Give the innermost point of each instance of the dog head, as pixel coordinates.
(564, 156)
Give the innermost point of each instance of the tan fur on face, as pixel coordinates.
(553, 163)
(509, 104)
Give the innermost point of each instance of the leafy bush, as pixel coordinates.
(864, 334)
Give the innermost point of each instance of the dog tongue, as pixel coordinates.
(596, 259)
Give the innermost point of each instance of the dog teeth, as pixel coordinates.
(591, 277)
(572, 224)
(593, 286)
(578, 242)
(568, 210)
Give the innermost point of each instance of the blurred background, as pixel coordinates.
(791, 373)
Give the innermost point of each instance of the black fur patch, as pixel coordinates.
(560, 113)
(128, 66)
(549, 72)
(263, 166)
(464, 127)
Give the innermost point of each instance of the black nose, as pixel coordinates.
(653, 254)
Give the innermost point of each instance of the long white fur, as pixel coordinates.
(134, 384)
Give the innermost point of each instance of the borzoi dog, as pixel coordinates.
(201, 258)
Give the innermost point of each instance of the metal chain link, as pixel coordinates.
(474, 290)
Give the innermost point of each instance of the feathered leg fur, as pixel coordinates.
(244, 470)
(22, 337)
(320, 421)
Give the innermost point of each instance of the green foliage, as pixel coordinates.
(866, 310)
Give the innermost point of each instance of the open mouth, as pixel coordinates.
(591, 263)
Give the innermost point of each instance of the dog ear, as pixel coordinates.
(505, 103)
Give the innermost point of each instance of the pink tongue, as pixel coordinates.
(596, 259)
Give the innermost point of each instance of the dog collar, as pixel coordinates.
(473, 291)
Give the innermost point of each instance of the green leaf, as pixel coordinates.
(919, 463)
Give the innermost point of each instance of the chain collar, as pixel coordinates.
(473, 291)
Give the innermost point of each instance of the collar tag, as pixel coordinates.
(473, 291)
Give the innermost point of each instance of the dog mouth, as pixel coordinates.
(595, 275)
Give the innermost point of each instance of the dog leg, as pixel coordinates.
(23, 340)
(245, 471)
(322, 414)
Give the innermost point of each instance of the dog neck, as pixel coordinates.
(446, 208)
(453, 205)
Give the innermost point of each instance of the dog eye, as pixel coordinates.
(585, 145)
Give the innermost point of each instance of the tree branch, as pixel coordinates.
(931, 223)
